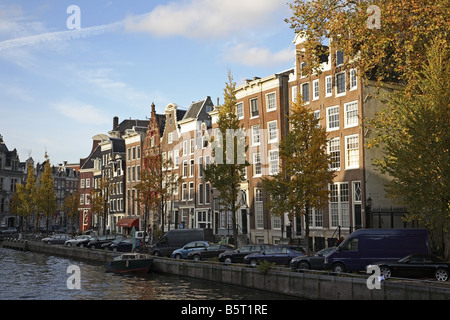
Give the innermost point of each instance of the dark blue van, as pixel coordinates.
(367, 246)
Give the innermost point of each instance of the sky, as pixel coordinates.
(68, 67)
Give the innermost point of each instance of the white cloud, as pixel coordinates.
(81, 112)
(207, 18)
(59, 36)
(254, 56)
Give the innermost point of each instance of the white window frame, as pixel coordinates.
(272, 131)
(240, 110)
(340, 94)
(259, 208)
(274, 162)
(328, 86)
(351, 114)
(352, 153)
(257, 167)
(255, 100)
(256, 137)
(334, 150)
(353, 79)
(315, 87)
(271, 101)
(170, 138)
(329, 110)
(339, 206)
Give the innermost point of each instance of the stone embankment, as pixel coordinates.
(306, 285)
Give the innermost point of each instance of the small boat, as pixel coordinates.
(130, 262)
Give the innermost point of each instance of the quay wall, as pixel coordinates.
(304, 285)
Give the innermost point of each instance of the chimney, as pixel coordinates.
(153, 110)
(115, 122)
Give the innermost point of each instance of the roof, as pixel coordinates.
(197, 108)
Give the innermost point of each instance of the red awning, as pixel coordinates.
(128, 222)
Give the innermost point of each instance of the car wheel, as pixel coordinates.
(115, 249)
(441, 275)
(196, 257)
(178, 256)
(385, 272)
(303, 265)
(228, 260)
(253, 263)
(68, 244)
(338, 268)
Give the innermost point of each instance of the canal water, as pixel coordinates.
(36, 276)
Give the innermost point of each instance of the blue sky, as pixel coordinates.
(60, 85)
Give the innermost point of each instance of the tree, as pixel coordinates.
(413, 133)
(46, 196)
(302, 183)
(226, 173)
(387, 36)
(24, 201)
(157, 184)
(70, 207)
(99, 197)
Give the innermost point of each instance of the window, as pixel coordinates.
(191, 190)
(339, 205)
(305, 92)
(333, 118)
(170, 138)
(184, 191)
(273, 162)
(271, 100)
(240, 110)
(200, 167)
(176, 158)
(315, 218)
(353, 79)
(191, 146)
(315, 89)
(334, 150)
(273, 131)
(255, 135)
(352, 152)
(328, 86)
(302, 70)
(340, 83)
(254, 112)
(185, 147)
(185, 169)
(294, 93)
(200, 193)
(207, 193)
(191, 168)
(259, 207)
(339, 58)
(351, 114)
(256, 164)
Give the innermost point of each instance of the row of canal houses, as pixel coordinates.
(337, 97)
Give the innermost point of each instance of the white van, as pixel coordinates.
(140, 235)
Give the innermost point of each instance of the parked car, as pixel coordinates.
(57, 239)
(367, 246)
(84, 242)
(76, 240)
(212, 251)
(237, 255)
(99, 241)
(177, 238)
(182, 253)
(121, 245)
(416, 265)
(316, 262)
(280, 254)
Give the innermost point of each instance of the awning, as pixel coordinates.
(128, 222)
